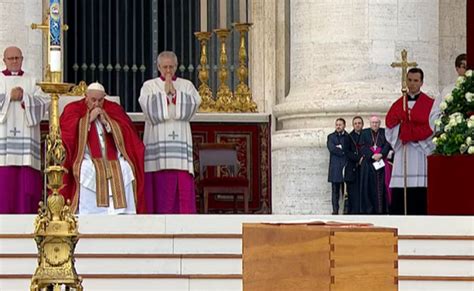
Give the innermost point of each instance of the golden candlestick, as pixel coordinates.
(243, 95)
(207, 102)
(224, 95)
(56, 227)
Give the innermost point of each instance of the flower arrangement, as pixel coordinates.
(455, 127)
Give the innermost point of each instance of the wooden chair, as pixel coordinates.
(221, 154)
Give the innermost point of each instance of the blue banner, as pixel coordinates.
(54, 23)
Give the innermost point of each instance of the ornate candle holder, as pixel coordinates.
(56, 227)
(207, 102)
(243, 95)
(224, 94)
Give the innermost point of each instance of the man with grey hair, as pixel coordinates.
(22, 106)
(374, 148)
(168, 104)
(104, 156)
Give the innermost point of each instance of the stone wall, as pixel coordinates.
(340, 56)
(16, 17)
(452, 38)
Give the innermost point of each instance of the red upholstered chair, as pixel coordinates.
(215, 155)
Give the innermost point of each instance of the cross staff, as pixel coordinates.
(404, 64)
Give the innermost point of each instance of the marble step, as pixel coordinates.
(232, 224)
(217, 264)
(135, 264)
(219, 244)
(213, 283)
(114, 283)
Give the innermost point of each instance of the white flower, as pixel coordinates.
(443, 105)
(435, 140)
(443, 136)
(447, 127)
(468, 140)
(460, 80)
(463, 148)
(471, 117)
(470, 150)
(468, 73)
(438, 122)
(455, 118)
(448, 98)
(469, 96)
(470, 123)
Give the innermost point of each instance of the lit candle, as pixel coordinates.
(55, 35)
(223, 13)
(243, 11)
(203, 15)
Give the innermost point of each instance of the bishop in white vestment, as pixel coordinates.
(168, 104)
(22, 106)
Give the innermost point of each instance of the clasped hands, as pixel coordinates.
(377, 157)
(95, 113)
(169, 88)
(16, 94)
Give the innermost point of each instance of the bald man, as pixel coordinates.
(22, 106)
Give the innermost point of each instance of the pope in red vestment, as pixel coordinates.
(101, 131)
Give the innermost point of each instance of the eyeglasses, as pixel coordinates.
(14, 58)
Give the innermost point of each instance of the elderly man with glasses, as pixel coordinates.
(22, 106)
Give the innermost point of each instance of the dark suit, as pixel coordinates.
(337, 162)
(352, 172)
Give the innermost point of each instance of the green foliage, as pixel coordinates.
(455, 128)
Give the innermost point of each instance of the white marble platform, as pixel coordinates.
(203, 252)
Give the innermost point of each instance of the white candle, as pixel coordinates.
(55, 35)
(203, 15)
(55, 60)
(243, 11)
(223, 13)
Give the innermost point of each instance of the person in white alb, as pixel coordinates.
(168, 104)
(22, 106)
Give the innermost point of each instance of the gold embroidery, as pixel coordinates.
(101, 188)
(82, 136)
(120, 144)
(118, 190)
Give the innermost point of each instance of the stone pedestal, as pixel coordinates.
(340, 56)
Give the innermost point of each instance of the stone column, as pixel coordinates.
(16, 17)
(340, 56)
(452, 38)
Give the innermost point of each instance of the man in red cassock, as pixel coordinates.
(410, 127)
(105, 157)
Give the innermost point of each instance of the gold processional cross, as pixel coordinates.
(404, 64)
